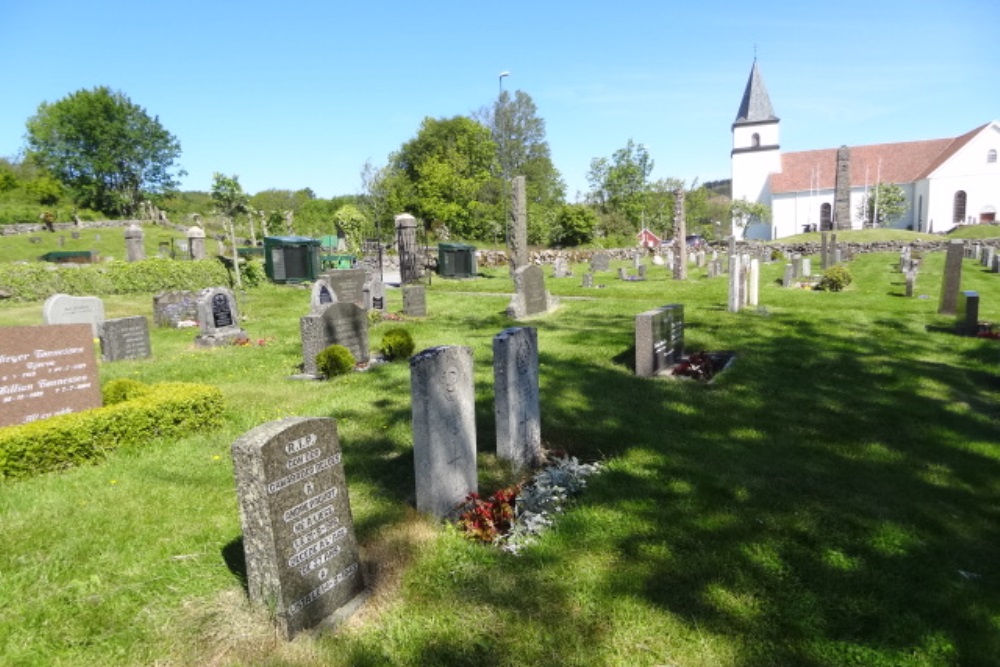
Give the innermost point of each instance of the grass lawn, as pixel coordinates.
(832, 499)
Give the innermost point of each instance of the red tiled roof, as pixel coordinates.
(891, 163)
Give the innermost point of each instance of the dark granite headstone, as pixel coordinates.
(218, 318)
(46, 371)
(347, 324)
(125, 338)
(967, 313)
(659, 340)
(302, 560)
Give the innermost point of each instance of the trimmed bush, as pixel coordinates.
(397, 343)
(122, 389)
(169, 409)
(835, 279)
(335, 360)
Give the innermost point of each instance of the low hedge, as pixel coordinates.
(169, 409)
(39, 281)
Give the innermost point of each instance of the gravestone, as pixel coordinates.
(66, 309)
(659, 340)
(414, 301)
(680, 235)
(218, 318)
(560, 268)
(642, 272)
(75, 235)
(952, 278)
(518, 238)
(406, 241)
(516, 400)
(636, 260)
(806, 267)
(967, 313)
(530, 297)
(622, 273)
(911, 282)
(600, 261)
(376, 294)
(301, 554)
(753, 282)
(134, 249)
(347, 285)
(735, 284)
(172, 307)
(824, 256)
(346, 324)
(125, 338)
(788, 278)
(444, 428)
(588, 280)
(46, 371)
(196, 242)
(320, 296)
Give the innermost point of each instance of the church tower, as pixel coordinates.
(756, 153)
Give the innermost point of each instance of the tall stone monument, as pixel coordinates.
(298, 532)
(444, 428)
(516, 399)
(842, 189)
(406, 240)
(518, 239)
(680, 233)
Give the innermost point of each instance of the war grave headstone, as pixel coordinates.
(218, 318)
(659, 339)
(530, 296)
(347, 285)
(987, 260)
(600, 261)
(125, 338)
(806, 268)
(320, 296)
(516, 399)
(911, 282)
(967, 313)
(952, 278)
(298, 532)
(444, 428)
(735, 284)
(560, 269)
(66, 309)
(788, 278)
(172, 307)
(753, 282)
(588, 280)
(414, 301)
(45, 371)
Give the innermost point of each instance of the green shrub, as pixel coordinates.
(777, 255)
(335, 360)
(397, 343)
(835, 279)
(169, 409)
(253, 273)
(122, 389)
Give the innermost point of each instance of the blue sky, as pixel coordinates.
(300, 94)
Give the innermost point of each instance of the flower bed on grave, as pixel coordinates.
(987, 330)
(702, 366)
(513, 517)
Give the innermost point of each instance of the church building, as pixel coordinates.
(947, 182)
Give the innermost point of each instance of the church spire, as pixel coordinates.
(756, 105)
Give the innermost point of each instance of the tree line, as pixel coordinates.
(95, 152)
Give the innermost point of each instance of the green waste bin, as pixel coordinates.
(456, 260)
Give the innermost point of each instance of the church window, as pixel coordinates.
(958, 216)
(991, 155)
(755, 141)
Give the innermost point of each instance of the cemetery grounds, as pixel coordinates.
(833, 498)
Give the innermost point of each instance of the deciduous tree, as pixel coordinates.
(105, 148)
(884, 204)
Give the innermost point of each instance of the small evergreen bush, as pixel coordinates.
(397, 343)
(335, 360)
(835, 279)
(122, 389)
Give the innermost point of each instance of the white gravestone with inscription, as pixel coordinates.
(298, 532)
(66, 309)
